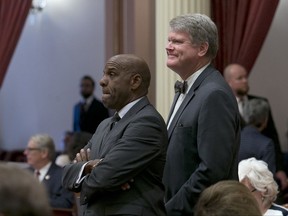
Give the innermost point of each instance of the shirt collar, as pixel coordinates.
(191, 79)
(44, 170)
(89, 100)
(245, 98)
(127, 107)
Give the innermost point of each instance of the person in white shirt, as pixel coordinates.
(236, 76)
(259, 180)
(40, 154)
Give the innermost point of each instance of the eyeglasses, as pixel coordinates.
(32, 149)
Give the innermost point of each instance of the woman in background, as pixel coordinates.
(256, 176)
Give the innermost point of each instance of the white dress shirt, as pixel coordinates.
(190, 81)
(43, 171)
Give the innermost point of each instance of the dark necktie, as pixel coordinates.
(114, 120)
(37, 174)
(180, 87)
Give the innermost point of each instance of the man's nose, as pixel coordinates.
(169, 46)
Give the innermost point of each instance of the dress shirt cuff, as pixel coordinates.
(80, 176)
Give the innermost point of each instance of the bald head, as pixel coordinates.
(231, 69)
(126, 78)
(132, 64)
(237, 77)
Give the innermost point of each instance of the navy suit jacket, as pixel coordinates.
(271, 132)
(255, 144)
(89, 120)
(204, 138)
(134, 149)
(59, 197)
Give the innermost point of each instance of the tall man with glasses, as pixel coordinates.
(40, 154)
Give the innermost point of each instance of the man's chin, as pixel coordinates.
(106, 100)
(170, 63)
(242, 93)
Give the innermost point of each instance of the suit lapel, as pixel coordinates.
(48, 175)
(186, 101)
(173, 106)
(104, 136)
(189, 97)
(110, 140)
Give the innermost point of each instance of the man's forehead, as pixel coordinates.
(32, 143)
(115, 65)
(178, 34)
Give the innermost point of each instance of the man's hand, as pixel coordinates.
(82, 156)
(281, 176)
(90, 165)
(126, 186)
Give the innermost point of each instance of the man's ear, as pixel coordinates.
(136, 81)
(203, 48)
(44, 153)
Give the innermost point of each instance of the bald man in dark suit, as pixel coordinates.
(237, 77)
(129, 148)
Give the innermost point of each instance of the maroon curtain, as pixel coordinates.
(13, 14)
(243, 26)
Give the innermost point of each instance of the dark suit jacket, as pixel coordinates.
(255, 144)
(59, 197)
(134, 149)
(89, 120)
(271, 132)
(204, 138)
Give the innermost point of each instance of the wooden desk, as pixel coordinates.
(63, 212)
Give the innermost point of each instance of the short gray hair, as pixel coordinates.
(256, 112)
(200, 28)
(261, 178)
(44, 141)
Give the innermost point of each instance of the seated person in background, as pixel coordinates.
(237, 77)
(76, 142)
(89, 112)
(227, 198)
(253, 143)
(40, 154)
(256, 176)
(21, 194)
(63, 158)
